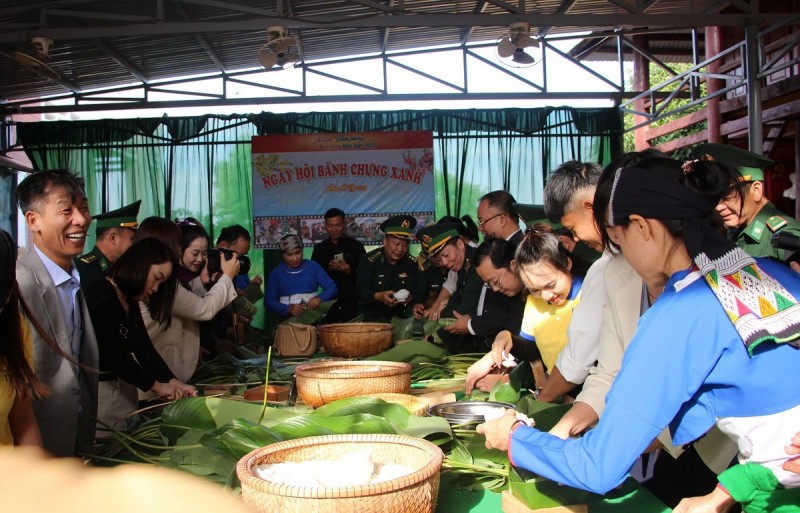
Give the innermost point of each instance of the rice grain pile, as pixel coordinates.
(355, 469)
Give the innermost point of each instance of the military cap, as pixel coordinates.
(532, 215)
(435, 236)
(124, 217)
(399, 226)
(750, 165)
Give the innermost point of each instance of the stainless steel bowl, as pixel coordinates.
(468, 412)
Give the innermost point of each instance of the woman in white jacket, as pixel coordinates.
(179, 342)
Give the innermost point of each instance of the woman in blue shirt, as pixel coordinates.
(712, 348)
(293, 284)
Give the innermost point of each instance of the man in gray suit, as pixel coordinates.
(57, 213)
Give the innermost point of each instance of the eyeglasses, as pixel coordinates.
(496, 284)
(481, 223)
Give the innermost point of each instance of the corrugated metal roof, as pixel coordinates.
(101, 44)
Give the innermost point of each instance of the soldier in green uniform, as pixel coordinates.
(746, 211)
(386, 270)
(442, 241)
(114, 231)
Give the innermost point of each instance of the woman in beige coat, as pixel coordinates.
(179, 343)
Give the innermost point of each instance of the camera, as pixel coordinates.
(215, 263)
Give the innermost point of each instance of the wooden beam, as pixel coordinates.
(786, 110)
(683, 142)
(675, 124)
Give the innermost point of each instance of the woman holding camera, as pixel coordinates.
(179, 342)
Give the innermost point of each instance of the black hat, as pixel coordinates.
(399, 226)
(124, 217)
(750, 165)
(532, 215)
(435, 236)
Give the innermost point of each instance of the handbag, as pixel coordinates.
(293, 339)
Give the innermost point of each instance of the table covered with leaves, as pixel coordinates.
(206, 436)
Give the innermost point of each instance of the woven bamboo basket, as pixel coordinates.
(355, 339)
(413, 493)
(325, 382)
(415, 405)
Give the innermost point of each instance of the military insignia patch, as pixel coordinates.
(88, 259)
(426, 239)
(405, 224)
(775, 223)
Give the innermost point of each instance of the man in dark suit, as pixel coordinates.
(497, 217)
(57, 213)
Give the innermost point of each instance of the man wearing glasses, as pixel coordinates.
(497, 217)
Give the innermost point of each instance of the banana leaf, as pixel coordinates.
(390, 411)
(504, 393)
(411, 350)
(312, 316)
(402, 328)
(546, 415)
(209, 413)
(539, 492)
(202, 462)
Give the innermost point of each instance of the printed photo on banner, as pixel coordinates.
(370, 176)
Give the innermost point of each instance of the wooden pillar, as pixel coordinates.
(797, 169)
(754, 114)
(713, 38)
(641, 82)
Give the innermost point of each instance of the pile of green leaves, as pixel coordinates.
(429, 362)
(206, 436)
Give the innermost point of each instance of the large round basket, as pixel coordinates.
(413, 493)
(355, 339)
(325, 382)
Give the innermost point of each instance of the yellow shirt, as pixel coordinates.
(547, 325)
(7, 392)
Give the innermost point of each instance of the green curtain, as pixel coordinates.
(201, 166)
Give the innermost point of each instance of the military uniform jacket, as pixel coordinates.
(92, 265)
(376, 274)
(754, 239)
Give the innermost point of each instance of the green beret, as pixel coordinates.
(532, 215)
(434, 237)
(400, 226)
(750, 165)
(124, 217)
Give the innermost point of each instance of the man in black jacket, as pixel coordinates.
(339, 255)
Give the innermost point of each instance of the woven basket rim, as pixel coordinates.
(430, 468)
(357, 327)
(321, 369)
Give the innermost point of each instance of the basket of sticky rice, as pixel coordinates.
(324, 382)
(378, 473)
(355, 339)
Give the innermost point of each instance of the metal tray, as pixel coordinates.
(461, 412)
